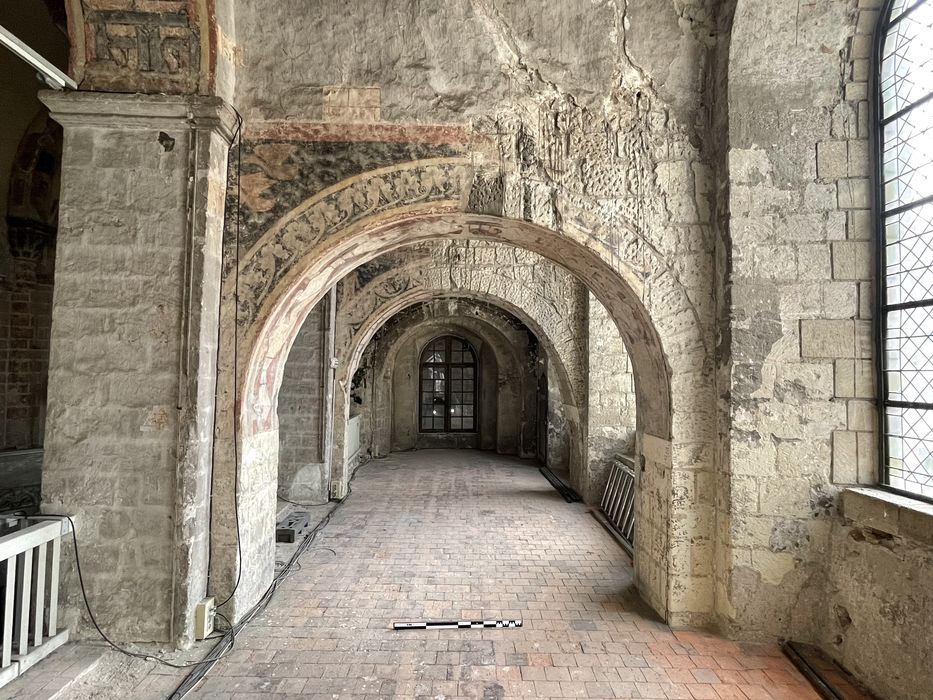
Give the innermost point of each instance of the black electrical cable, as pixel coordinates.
(296, 503)
(236, 363)
(100, 631)
(198, 673)
(237, 137)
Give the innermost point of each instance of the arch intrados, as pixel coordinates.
(430, 341)
(481, 337)
(364, 299)
(405, 301)
(296, 293)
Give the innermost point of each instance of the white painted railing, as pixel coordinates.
(353, 437)
(29, 568)
(618, 502)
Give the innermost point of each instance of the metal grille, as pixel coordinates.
(619, 499)
(904, 206)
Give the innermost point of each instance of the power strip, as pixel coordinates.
(204, 616)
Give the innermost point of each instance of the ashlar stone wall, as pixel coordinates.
(302, 472)
(133, 354)
(548, 297)
(810, 557)
(478, 119)
(611, 407)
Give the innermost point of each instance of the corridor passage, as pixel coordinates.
(466, 534)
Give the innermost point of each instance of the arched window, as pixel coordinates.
(904, 213)
(448, 387)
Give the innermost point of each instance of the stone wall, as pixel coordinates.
(595, 160)
(652, 551)
(132, 362)
(795, 307)
(558, 437)
(804, 424)
(30, 164)
(611, 408)
(547, 297)
(879, 592)
(506, 355)
(302, 472)
(745, 303)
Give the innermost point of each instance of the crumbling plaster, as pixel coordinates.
(715, 202)
(790, 223)
(621, 176)
(803, 421)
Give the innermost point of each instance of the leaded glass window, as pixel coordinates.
(447, 396)
(904, 148)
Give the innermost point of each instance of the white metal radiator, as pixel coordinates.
(29, 566)
(618, 502)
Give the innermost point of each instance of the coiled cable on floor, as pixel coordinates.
(221, 648)
(198, 673)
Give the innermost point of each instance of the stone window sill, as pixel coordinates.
(888, 512)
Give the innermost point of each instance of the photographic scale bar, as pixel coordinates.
(456, 624)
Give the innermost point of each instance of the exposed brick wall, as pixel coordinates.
(31, 223)
(28, 355)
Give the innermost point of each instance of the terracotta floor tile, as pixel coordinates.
(435, 534)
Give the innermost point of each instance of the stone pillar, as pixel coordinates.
(129, 433)
(302, 476)
(330, 395)
(611, 410)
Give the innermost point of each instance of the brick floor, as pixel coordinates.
(440, 534)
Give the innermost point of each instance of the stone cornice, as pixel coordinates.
(143, 112)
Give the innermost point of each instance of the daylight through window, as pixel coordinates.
(904, 113)
(448, 387)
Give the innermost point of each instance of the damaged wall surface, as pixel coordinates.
(673, 198)
(597, 154)
(806, 558)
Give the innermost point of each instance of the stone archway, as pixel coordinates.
(664, 325)
(396, 370)
(356, 343)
